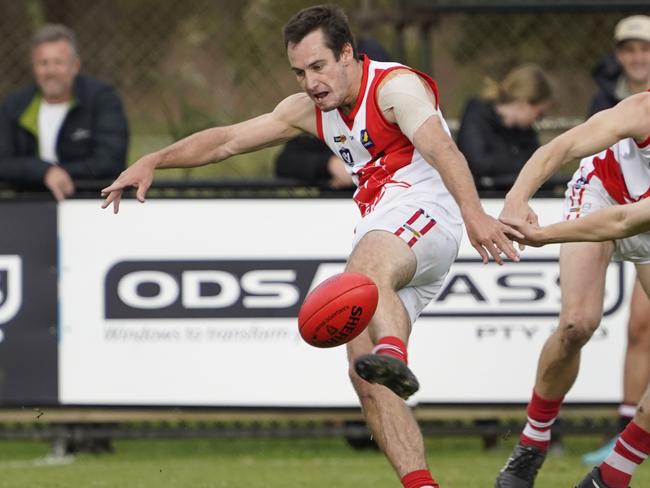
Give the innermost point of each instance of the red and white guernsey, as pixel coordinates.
(623, 170)
(383, 162)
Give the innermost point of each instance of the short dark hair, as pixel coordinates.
(330, 19)
(53, 33)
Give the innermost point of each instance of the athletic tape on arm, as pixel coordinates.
(410, 101)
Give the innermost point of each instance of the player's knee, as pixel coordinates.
(576, 330)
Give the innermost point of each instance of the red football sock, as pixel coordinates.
(418, 479)
(632, 448)
(393, 346)
(541, 415)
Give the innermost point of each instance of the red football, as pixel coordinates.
(338, 309)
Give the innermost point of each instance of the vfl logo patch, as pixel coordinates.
(11, 295)
(580, 182)
(340, 139)
(346, 156)
(366, 140)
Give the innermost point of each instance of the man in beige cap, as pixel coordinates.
(628, 71)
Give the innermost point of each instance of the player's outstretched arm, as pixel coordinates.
(292, 116)
(630, 118)
(610, 223)
(412, 105)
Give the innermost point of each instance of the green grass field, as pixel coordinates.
(282, 463)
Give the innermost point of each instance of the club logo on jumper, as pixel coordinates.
(346, 156)
(11, 287)
(580, 182)
(340, 139)
(529, 288)
(366, 140)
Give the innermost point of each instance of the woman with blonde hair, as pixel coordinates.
(496, 132)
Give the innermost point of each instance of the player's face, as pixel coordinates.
(323, 77)
(634, 56)
(55, 66)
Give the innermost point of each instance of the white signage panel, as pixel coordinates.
(193, 302)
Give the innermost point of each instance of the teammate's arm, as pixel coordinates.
(293, 115)
(406, 100)
(616, 222)
(630, 118)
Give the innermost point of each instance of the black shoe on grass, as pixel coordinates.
(521, 468)
(386, 370)
(592, 480)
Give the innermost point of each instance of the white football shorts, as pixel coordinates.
(433, 237)
(583, 197)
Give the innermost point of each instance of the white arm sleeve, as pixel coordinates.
(412, 103)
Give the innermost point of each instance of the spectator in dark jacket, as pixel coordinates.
(308, 158)
(627, 70)
(65, 127)
(496, 132)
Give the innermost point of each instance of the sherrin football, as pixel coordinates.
(338, 310)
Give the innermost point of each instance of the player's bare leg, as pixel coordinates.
(636, 370)
(633, 445)
(391, 264)
(389, 261)
(582, 282)
(637, 356)
(389, 419)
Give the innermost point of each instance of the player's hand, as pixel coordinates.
(58, 181)
(532, 232)
(139, 175)
(491, 237)
(519, 210)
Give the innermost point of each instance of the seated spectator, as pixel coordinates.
(496, 132)
(627, 70)
(65, 127)
(309, 159)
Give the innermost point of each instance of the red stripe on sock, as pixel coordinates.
(397, 348)
(542, 410)
(636, 437)
(419, 478)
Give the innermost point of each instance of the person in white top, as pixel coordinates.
(66, 126)
(390, 151)
(607, 203)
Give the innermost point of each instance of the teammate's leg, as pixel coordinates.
(637, 357)
(391, 264)
(582, 282)
(636, 371)
(633, 445)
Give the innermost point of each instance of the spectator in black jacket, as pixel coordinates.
(65, 127)
(496, 132)
(627, 70)
(309, 159)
